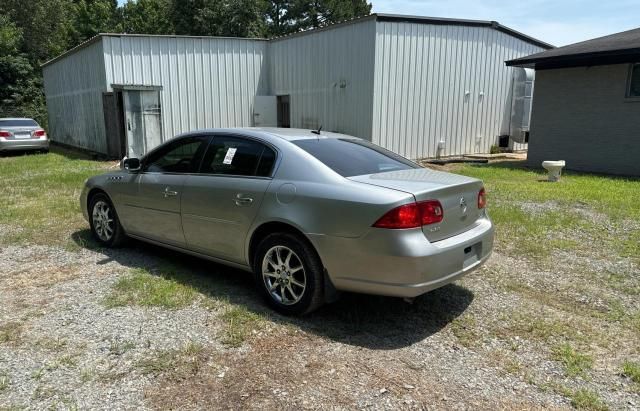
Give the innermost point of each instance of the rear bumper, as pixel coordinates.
(26, 144)
(402, 263)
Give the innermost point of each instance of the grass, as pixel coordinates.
(10, 332)
(240, 323)
(575, 363)
(584, 399)
(40, 196)
(632, 370)
(142, 288)
(4, 381)
(531, 214)
(180, 363)
(117, 347)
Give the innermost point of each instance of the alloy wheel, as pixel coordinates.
(103, 223)
(284, 275)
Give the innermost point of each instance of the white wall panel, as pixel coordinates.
(73, 88)
(310, 68)
(206, 82)
(446, 82)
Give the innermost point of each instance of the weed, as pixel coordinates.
(584, 399)
(4, 381)
(145, 289)
(632, 370)
(574, 362)
(240, 322)
(464, 330)
(117, 347)
(10, 332)
(178, 363)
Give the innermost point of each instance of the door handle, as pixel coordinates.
(169, 193)
(241, 201)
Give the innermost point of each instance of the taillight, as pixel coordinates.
(482, 198)
(431, 211)
(39, 133)
(5, 134)
(412, 215)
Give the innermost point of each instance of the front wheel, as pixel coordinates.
(105, 225)
(289, 274)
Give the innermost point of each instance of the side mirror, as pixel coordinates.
(131, 164)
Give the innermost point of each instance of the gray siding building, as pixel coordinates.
(419, 86)
(586, 105)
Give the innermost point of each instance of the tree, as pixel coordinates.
(147, 16)
(236, 18)
(317, 13)
(20, 89)
(94, 16)
(278, 18)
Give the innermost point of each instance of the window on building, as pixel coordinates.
(634, 81)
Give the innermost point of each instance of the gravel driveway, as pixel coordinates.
(146, 328)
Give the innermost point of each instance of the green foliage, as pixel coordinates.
(147, 16)
(34, 31)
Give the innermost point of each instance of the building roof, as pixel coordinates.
(616, 48)
(375, 16)
(463, 22)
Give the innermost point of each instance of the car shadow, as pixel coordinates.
(367, 321)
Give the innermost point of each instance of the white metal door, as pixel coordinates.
(143, 121)
(265, 111)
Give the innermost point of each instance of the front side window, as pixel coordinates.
(352, 157)
(181, 156)
(634, 81)
(238, 156)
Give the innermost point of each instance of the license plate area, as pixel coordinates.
(22, 136)
(472, 254)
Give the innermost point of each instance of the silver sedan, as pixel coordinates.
(309, 213)
(22, 134)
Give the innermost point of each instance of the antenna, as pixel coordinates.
(317, 131)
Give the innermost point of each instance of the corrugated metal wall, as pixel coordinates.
(436, 82)
(207, 82)
(329, 76)
(73, 88)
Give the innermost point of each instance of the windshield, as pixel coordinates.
(351, 157)
(22, 122)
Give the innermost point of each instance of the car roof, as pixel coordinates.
(16, 118)
(289, 134)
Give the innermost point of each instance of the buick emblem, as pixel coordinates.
(463, 205)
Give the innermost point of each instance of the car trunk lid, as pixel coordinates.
(20, 133)
(457, 194)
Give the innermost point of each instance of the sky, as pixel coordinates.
(559, 22)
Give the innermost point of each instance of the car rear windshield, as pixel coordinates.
(18, 123)
(351, 157)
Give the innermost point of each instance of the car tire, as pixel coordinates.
(289, 274)
(104, 221)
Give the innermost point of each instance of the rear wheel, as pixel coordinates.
(105, 225)
(289, 274)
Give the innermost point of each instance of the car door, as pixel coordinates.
(152, 208)
(220, 203)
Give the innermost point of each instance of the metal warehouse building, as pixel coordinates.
(419, 86)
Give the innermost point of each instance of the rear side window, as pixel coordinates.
(351, 157)
(239, 157)
(22, 122)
